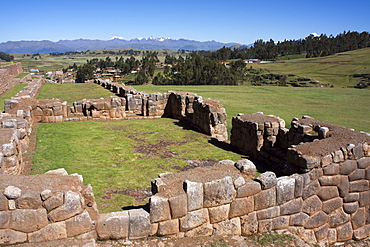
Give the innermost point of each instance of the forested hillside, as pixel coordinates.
(311, 46)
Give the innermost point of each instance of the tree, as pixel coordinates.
(6, 57)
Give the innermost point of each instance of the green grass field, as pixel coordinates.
(73, 92)
(118, 155)
(347, 107)
(335, 70)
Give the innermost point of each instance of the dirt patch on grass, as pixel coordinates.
(160, 149)
(138, 195)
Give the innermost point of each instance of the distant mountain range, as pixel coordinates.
(151, 43)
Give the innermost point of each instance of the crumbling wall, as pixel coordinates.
(209, 116)
(324, 198)
(7, 72)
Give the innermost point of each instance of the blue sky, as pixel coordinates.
(241, 21)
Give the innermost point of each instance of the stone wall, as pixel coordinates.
(324, 196)
(7, 72)
(209, 116)
(45, 207)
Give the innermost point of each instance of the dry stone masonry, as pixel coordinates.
(7, 72)
(316, 184)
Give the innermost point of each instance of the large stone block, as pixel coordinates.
(362, 233)
(359, 186)
(364, 199)
(159, 209)
(29, 200)
(332, 235)
(312, 205)
(249, 224)
(332, 204)
(265, 199)
(8, 236)
(363, 163)
(194, 219)
(219, 192)
(4, 219)
(168, 227)
(332, 169)
(329, 180)
(140, 226)
(51, 232)
(347, 167)
(267, 180)
(338, 217)
(219, 213)
(268, 213)
(195, 194)
(265, 225)
(328, 192)
(298, 219)
(343, 186)
(200, 231)
(79, 224)
(311, 189)
(316, 220)
(299, 181)
(359, 174)
(321, 232)
(250, 188)
(246, 167)
(241, 206)
(291, 207)
(28, 220)
(350, 207)
(281, 222)
(113, 225)
(54, 200)
(285, 189)
(178, 205)
(344, 232)
(71, 207)
(359, 218)
(228, 227)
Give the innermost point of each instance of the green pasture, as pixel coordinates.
(117, 155)
(73, 92)
(347, 107)
(335, 70)
(10, 93)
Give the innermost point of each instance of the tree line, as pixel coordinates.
(145, 67)
(311, 46)
(207, 68)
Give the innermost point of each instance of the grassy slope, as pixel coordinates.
(333, 69)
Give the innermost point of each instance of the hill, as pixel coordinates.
(151, 43)
(344, 69)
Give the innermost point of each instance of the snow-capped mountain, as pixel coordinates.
(116, 42)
